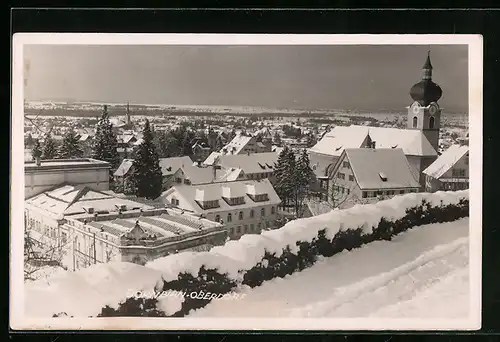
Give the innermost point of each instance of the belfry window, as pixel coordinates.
(431, 122)
(415, 122)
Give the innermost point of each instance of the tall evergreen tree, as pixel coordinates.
(186, 144)
(310, 140)
(36, 152)
(105, 143)
(146, 178)
(277, 139)
(284, 176)
(49, 150)
(70, 147)
(303, 178)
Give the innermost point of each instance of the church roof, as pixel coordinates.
(413, 142)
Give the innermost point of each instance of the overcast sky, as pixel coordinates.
(337, 77)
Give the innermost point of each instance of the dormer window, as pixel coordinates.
(259, 197)
(235, 200)
(382, 176)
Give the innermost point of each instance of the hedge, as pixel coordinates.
(272, 266)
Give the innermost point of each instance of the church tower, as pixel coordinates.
(128, 115)
(425, 114)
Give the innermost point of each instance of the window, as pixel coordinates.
(252, 213)
(345, 164)
(229, 217)
(174, 201)
(252, 227)
(217, 218)
(246, 228)
(187, 182)
(178, 180)
(365, 194)
(231, 231)
(401, 192)
(235, 200)
(341, 175)
(431, 122)
(238, 230)
(458, 172)
(240, 215)
(267, 224)
(351, 178)
(415, 122)
(263, 212)
(273, 210)
(259, 225)
(64, 237)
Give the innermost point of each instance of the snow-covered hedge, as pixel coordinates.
(253, 259)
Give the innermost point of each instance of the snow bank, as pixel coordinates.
(83, 293)
(235, 257)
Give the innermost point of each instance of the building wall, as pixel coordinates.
(461, 164)
(236, 228)
(38, 182)
(141, 255)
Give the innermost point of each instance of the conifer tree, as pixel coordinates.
(49, 150)
(304, 176)
(146, 178)
(105, 143)
(70, 147)
(36, 152)
(282, 173)
(277, 139)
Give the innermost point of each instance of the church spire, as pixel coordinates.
(427, 68)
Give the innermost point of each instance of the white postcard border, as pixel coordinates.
(475, 60)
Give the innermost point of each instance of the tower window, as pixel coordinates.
(415, 122)
(431, 122)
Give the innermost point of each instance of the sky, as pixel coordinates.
(363, 77)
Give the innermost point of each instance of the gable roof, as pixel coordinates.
(250, 163)
(124, 167)
(169, 166)
(236, 145)
(204, 175)
(413, 142)
(214, 191)
(370, 165)
(446, 161)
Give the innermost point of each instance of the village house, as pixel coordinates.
(365, 173)
(243, 207)
(254, 165)
(419, 141)
(201, 151)
(450, 171)
(169, 167)
(244, 144)
(197, 174)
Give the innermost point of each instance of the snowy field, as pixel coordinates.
(422, 273)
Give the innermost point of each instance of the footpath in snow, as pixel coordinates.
(421, 273)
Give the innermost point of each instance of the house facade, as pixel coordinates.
(366, 173)
(450, 171)
(243, 207)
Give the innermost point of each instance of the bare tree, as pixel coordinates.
(41, 253)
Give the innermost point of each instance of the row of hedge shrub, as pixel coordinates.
(272, 266)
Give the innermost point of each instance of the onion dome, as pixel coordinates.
(426, 91)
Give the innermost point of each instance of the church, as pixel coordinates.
(419, 141)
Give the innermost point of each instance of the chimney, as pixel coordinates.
(38, 161)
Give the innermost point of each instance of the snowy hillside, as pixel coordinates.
(421, 273)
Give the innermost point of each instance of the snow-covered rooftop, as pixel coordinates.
(446, 161)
